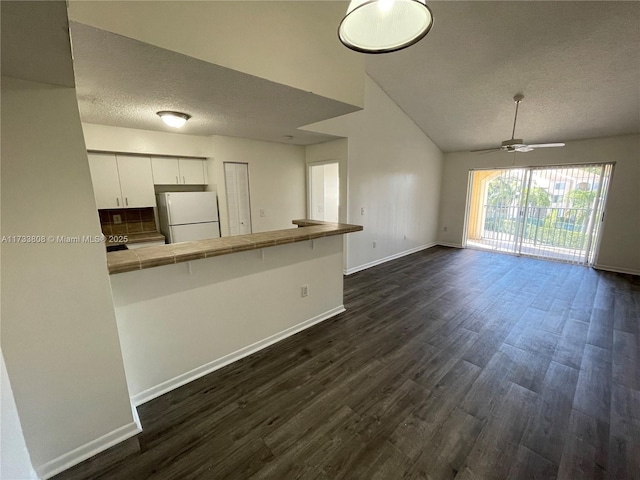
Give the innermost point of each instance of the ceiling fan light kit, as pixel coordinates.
(517, 144)
(383, 26)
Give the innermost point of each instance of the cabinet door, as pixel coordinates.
(191, 171)
(165, 171)
(136, 181)
(106, 183)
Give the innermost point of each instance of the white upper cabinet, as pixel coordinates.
(136, 181)
(106, 181)
(121, 181)
(165, 171)
(179, 171)
(192, 171)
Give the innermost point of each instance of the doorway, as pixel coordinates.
(547, 212)
(324, 191)
(236, 179)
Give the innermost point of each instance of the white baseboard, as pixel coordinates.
(359, 268)
(630, 271)
(88, 450)
(453, 245)
(207, 368)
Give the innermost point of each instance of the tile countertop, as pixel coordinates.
(148, 257)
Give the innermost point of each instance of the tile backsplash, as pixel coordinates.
(133, 220)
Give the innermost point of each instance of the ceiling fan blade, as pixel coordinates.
(484, 152)
(546, 145)
(486, 149)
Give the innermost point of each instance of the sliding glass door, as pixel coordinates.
(548, 212)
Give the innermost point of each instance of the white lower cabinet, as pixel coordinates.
(121, 181)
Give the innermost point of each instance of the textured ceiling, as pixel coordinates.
(124, 82)
(577, 63)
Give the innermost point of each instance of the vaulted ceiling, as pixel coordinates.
(577, 64)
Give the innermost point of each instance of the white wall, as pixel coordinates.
(619, 248)
(176, 325)
(59, 334)
(15, 463)
(394, 173)
(276, 180)
(292, 43)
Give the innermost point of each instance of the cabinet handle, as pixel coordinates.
(117, 201)
(126, 200)
(177, 181)
(183, 180)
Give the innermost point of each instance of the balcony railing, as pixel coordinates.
(555, 232)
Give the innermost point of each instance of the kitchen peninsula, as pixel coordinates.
(185, 310)
(148, 257)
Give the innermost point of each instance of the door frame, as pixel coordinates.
(309, 189)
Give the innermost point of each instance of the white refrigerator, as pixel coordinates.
(188, 216)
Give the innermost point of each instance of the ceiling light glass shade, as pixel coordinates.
(382, 26)
(174, 119)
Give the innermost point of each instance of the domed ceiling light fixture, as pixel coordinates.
(174, 119)
(383, 26)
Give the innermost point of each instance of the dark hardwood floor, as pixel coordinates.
(447, 364)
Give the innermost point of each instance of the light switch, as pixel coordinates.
(362, 211)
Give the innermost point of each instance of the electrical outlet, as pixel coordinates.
(262, 213)
(445, 229)
(405, 236)
(304, 290)
(375, 244)
(362, 211)
(117, 219)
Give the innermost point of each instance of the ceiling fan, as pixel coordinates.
(516, 144)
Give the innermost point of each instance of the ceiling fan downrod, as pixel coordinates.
(518, 98)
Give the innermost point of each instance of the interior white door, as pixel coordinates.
(236, 177)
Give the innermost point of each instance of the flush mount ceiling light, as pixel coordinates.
(382, 26)
(174, 119)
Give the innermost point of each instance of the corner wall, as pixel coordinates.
(619, 247)
(393, 173)
(59, 333)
